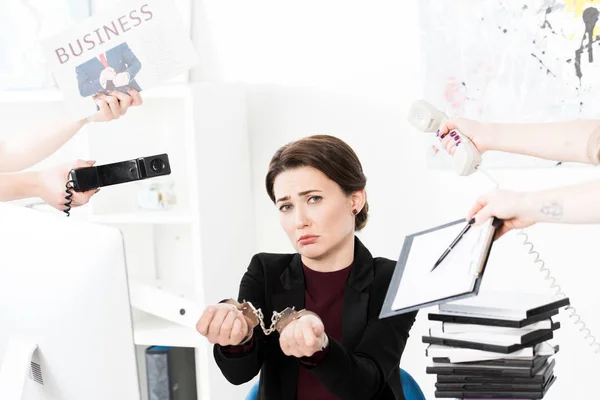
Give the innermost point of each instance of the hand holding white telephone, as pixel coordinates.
(467, 159)
(427, 118)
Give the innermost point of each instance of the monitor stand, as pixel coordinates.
(20, 375)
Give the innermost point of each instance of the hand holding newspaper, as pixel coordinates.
(134, 44)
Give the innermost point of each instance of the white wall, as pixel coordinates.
(351, 70)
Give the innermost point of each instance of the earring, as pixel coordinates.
(354, 211)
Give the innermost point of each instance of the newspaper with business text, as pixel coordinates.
(131, 45)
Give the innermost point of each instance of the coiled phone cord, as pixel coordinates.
(559, 292)
(573, 315)
(69, 189)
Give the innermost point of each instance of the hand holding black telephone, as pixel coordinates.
(84, 179)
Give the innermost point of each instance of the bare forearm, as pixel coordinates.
(25, 150)
(569, 141)
(575, 204)
(18, 186)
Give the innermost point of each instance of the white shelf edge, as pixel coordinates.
(153, 331)
(150, 217)
(175, 90)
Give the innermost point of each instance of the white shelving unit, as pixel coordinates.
(165, 246)
(154, 330)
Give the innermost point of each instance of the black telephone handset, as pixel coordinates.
(89, 178)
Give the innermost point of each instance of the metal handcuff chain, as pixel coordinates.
(279, 320)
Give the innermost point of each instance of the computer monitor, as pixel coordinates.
(66, 330)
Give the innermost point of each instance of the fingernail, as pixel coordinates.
(472, 221)
(452, 134)
(455, 137)
(443, 136)
(457, 143)
(437, 133)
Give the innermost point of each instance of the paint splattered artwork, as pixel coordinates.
(512, 61)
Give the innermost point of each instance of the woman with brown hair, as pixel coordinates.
(326, 341)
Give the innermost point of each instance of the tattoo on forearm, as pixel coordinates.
(552, 209)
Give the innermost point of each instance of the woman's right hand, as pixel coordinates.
(223, 324)
(476, 131)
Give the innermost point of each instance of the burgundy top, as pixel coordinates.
(324, 295)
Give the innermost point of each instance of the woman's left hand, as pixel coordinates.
(303, 337)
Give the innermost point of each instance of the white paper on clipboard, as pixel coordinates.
(415, 286)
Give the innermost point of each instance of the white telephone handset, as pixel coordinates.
(427, 118)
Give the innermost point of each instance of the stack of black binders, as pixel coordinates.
(494, 346)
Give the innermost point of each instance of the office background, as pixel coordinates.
(284, 70)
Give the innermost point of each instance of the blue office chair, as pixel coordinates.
(412, 391)
(253, 393)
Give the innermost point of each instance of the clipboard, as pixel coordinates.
(414, 286)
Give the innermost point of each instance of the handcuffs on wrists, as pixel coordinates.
(279, 320)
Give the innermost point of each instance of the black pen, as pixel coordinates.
(454, 242)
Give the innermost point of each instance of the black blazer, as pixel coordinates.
(365, 366)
